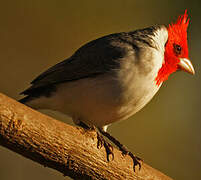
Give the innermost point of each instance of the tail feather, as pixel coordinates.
(33, 96)
(25, 99)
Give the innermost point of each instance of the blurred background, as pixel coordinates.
(35, 35)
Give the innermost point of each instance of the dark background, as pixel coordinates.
(35, 35)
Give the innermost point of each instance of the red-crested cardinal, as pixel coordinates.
(111, 78)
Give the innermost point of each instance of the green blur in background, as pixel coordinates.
(35, 35)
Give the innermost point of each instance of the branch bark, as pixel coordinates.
(70, 150)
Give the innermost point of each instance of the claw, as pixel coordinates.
(135, 160)
(109, 151)
(122, 148)
(100, 141)
(108, 147)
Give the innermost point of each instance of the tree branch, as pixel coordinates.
(70, 150)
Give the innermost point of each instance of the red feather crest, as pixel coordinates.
(177, 34)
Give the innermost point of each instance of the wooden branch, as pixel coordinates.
(70, 150)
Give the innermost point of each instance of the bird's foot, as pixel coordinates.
(135, 159)
(123, 149)
(108, 147)
(101, 141)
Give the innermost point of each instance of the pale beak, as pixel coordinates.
(186, 65)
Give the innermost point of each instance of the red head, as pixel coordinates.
(176, 50)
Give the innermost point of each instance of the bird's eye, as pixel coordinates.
(177, 49)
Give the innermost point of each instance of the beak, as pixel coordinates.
(186, 65)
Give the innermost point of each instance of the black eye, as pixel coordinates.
(177, 49)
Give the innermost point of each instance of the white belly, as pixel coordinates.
(98, 101)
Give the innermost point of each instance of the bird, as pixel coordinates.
(111, 78)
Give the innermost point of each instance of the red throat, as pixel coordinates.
(177, 36)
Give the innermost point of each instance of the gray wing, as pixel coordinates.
(94, 58)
